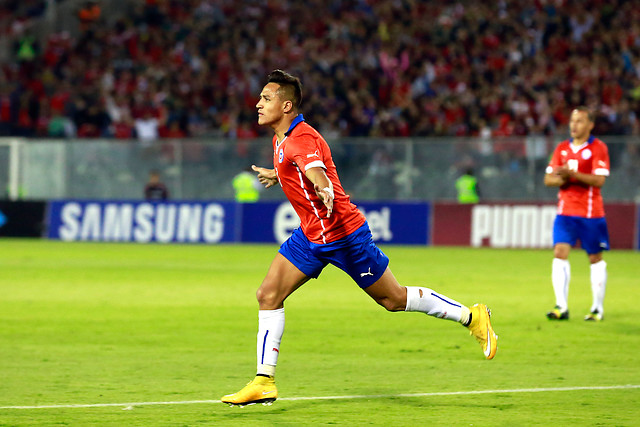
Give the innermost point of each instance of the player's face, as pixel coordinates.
(579, 125)
(270, 106)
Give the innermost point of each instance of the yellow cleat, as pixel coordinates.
(480, 328)
(557, 314)
(594, 316)
(260, 390)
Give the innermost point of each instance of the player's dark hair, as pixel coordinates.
(290, 86)
(590, 115)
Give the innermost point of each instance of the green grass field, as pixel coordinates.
(130, 325)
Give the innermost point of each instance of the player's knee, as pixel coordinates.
(594, 258)
(263, 295)
(268, 298)
(561, 252)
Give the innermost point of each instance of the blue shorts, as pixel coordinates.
(356, 254)
(592, 232)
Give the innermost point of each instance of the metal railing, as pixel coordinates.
(369, 168)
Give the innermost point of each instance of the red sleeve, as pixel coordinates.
(308, 152)
(600, 165)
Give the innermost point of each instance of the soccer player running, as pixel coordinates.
(332, 231)
(579, 166)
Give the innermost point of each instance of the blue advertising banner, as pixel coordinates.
(398, 223)
(267, 222)
(217, 222)
(395, 223)
(134, 221)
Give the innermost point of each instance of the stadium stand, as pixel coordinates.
(384, 68)
(505, 73)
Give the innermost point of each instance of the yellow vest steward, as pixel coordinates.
(466, 186)
(244, 185)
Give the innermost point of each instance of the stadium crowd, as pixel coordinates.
(189, 68)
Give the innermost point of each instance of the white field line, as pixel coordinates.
(131, 405)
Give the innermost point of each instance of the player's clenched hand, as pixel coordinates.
(563, 172)
(266, 177)
(326, 195)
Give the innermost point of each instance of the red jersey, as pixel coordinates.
(303, 148)
(574, 197)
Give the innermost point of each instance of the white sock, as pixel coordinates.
(598, 285)
(560, 277)
(429, 302)
(270, 330)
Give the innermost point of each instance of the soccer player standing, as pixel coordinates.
(332, 230)
(579, 166)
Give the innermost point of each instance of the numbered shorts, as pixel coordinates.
(356, 254)
(592, 232)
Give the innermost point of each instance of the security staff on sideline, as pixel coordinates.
(467, 187)
(246, 186)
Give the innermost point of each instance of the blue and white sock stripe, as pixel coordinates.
(264, 344)
(440, 297)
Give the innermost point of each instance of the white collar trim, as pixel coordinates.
(575, 148)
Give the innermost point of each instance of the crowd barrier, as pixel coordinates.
(497, 225)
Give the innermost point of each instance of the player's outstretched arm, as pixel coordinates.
(322, 186)
(267, 177)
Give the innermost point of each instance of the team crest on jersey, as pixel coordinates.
(280, 155)
(586, 154)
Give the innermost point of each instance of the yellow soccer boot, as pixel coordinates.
(480, 328)
(260, 390)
